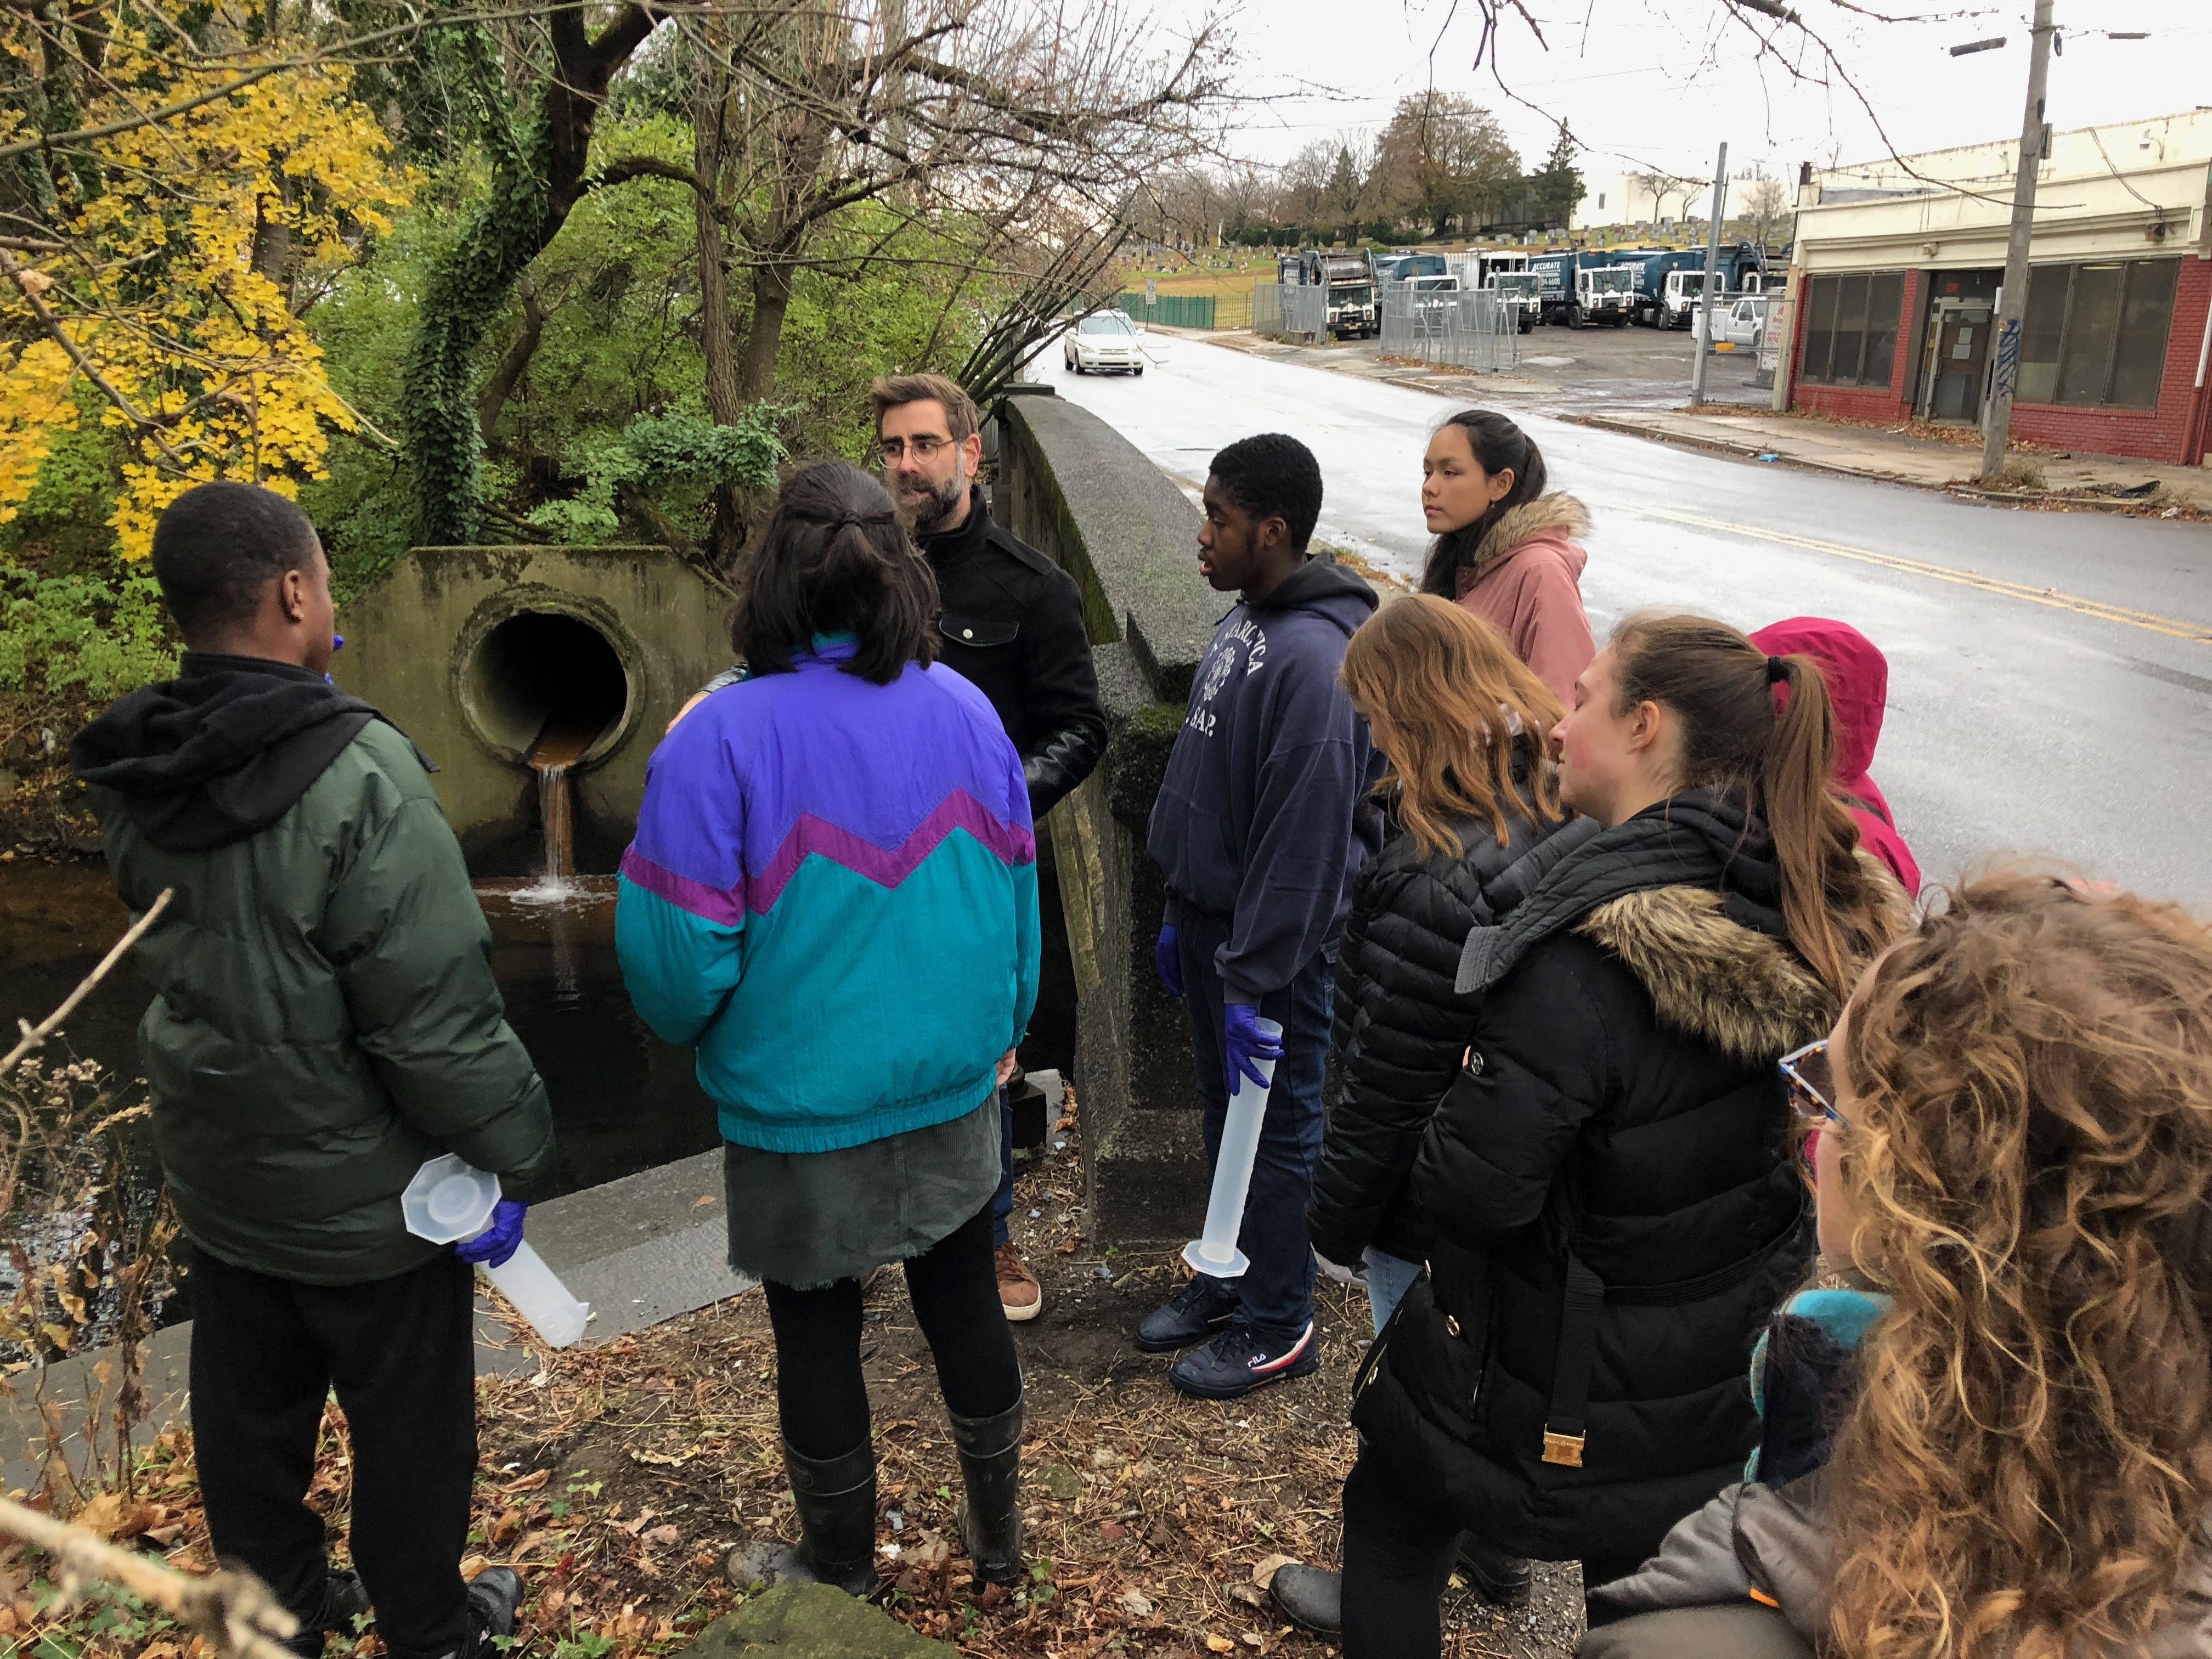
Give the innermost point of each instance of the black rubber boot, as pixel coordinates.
(836, 1501)
(991, 1512)
(1499, 1578)
(1312, 1598)
(343, 1599)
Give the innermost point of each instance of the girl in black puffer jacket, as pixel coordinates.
(1474, 820)
(1609, 1177)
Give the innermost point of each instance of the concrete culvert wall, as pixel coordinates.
(479, 652)
(543, 677)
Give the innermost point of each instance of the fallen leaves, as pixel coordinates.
(1264, 1569)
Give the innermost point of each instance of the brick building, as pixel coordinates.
(1896, 264)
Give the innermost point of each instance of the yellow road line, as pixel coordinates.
(2050, 596)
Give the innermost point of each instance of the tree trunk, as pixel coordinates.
(771, 299)
(538, 169)
(513, 362)
(726, 402)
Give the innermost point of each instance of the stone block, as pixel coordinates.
(1074, 488)
(812, 1621)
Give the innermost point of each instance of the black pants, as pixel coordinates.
(400, 1354)
(1397, 1556)
(821, 1397)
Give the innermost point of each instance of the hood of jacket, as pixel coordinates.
(1688, 894)
(1742, 990)
(1557, 517)
(1323, 588)
(221, 752)
(1858, 685)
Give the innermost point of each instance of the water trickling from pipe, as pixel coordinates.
(555, 810)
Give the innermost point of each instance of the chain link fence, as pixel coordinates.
(1285, 309)
(1464, 329)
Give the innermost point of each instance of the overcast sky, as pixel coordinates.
(1656, 84)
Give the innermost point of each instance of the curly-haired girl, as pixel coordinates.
(2021, 1100)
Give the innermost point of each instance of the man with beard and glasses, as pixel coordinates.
(1011, 623)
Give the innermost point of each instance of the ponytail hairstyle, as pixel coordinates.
(1498, 445)
(1762, 727)
(1445, 698)
(833, 559)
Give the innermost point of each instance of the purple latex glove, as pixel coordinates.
(1247, 1044)
(494, 1246)
(1167, 957)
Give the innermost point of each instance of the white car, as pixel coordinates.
(1105, 340)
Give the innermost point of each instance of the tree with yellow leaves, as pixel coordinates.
(166, 262)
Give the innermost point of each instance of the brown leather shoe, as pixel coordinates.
(1019, 1293)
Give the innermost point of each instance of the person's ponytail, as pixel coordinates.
(833, 559)
(1815, 840)
(1765, 727)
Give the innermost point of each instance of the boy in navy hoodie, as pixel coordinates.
(1260, 824)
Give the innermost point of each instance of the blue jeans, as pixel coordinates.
(1276, 1292)
(1389, 1277)
(1002, 1203)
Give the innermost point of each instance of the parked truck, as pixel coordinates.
(1578, 288)
(1350, 279)
(1673, 294)
(1403, 265)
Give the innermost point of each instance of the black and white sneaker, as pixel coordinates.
(1240, 1360)
(1191, 1314)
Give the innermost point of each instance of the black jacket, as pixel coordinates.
(1401, 1027)
(1012, 625)
(1263, 817)
(1619, 1133)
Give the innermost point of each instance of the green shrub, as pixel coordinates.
(107, 635)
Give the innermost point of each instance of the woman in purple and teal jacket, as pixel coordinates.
(833, 894)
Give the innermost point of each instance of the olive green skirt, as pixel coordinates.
(808, 1219)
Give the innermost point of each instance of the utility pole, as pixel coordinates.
(1705, 347)
(2012, 302)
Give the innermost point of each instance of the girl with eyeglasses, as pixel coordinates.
(2012, 1456)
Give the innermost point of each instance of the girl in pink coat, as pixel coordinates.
(1503, 548)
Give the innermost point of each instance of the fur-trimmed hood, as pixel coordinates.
(1744, 992)
(1688, 896)
(1556, 517)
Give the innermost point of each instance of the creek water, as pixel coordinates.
(622, 1099)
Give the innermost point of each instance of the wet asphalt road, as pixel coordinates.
(2051, 674)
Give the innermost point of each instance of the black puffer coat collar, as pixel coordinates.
(1696, 839)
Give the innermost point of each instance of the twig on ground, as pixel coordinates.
(234, 1610)
(34, 1036)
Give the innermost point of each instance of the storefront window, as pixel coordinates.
(1851, 336)
(2095, 334)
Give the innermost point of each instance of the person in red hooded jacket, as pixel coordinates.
(1858, 685)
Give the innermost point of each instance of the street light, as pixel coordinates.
(1972, 46)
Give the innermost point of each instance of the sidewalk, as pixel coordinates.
(2073, 481)
(2070, 482)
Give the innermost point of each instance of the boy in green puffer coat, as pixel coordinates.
(324, 1021)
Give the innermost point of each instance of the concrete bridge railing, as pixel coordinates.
(1078, 491)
